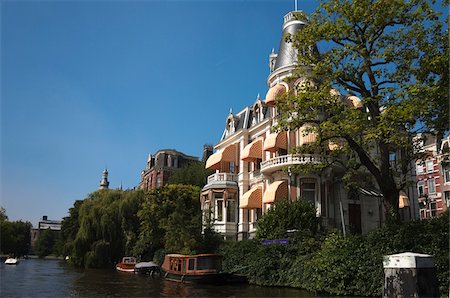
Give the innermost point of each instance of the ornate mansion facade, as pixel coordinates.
(252, 163)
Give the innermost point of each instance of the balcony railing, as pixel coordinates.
(279, 162)
(222, 177)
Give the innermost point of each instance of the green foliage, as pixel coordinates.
(103, 228)
(393, 55)
(285, 215)
(15, 237)
(338, 265)
(46, 242)
(193, 173)
(170, 218)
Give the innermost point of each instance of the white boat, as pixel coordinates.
(12, 261)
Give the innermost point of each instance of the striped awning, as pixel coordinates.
(278, 190)
(252, 199)
(403, 200)
(228, 154)
(252, 151)
(273, 93)
(275, 141)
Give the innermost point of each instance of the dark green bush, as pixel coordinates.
(339, 265)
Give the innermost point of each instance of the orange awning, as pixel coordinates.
(275, 141)
(273, 93)
(252, 151)
(403, 200)
(228, 154)
(278, 190)
(252, 199)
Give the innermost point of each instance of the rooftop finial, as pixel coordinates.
(258, 97)
(231, 111)
(295, 5)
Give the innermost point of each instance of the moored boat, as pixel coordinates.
(11, 261)
(127, 264)
(148, 268)
(203, 268)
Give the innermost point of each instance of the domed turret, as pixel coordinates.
(104, 184)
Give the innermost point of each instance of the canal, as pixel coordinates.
(55, 278)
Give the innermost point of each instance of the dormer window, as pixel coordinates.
(230, 125)
(257, 112)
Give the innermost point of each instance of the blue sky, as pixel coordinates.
(92, 84)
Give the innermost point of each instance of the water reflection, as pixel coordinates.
(50, 278)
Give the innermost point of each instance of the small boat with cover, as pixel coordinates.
(148, 268)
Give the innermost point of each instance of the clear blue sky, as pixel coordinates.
(92, 84)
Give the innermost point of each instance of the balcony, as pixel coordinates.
(222, 177)
(277, 163)
(220, 180)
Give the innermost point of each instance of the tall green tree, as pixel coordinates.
(45, 244)
(170, 219)
(15, 236)
(392, 55)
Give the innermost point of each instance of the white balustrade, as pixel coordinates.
(222, 177)
(286, 160)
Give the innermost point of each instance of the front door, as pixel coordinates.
(354, 218)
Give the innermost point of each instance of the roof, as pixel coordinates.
(287, 54)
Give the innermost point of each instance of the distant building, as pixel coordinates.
(104, 183)
(44, 224)
(433, 176)
(160, 167)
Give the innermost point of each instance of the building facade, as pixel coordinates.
(252, 163)
(161, 165)
(44, 224)
(433, 177)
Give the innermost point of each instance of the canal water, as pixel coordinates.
(55, 278)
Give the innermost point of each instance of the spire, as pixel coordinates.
(287, 54)
(104, 184)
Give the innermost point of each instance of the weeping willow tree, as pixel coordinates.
(386, 65)
(102, 228)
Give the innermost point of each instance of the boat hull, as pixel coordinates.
(11, 261)
(190, 278)
(128, 270)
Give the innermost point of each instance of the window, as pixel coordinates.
(309, 191)
(158, 181)
(421, 188)
(392, 158)
(191, 264)
(447, 174)
(433, 209)
(219, 208)
(257, 164)
(419, 169)
(232, 167)
(447, 198)
(258, 213)
(430, 166)
(231, 211)
(431, 186)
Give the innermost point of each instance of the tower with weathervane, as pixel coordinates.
(104, 183)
